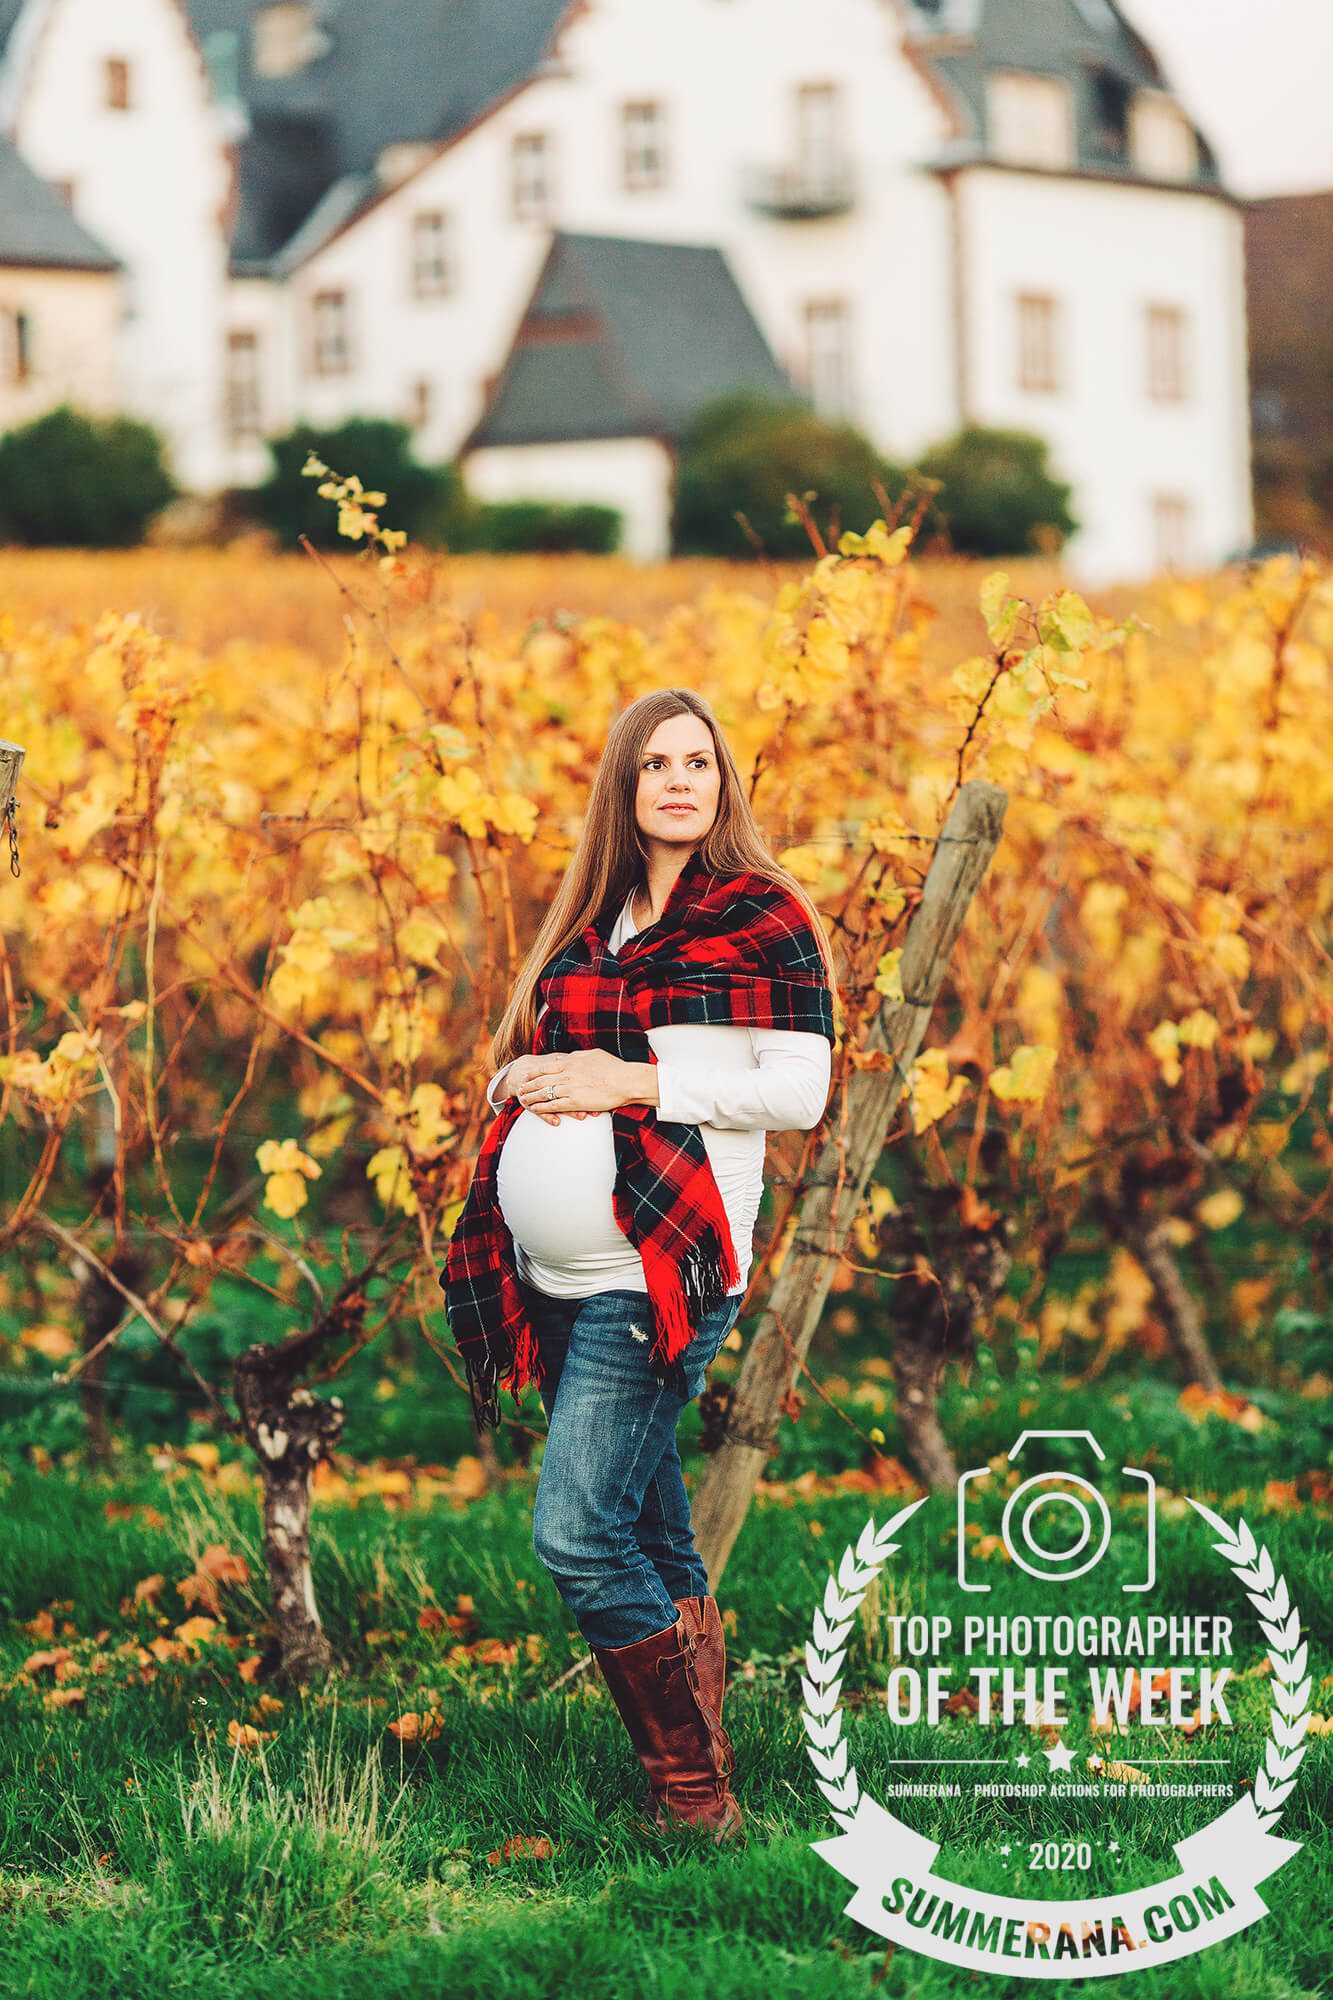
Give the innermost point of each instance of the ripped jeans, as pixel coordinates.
(612, 1518)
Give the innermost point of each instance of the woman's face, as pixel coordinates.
(679, 783)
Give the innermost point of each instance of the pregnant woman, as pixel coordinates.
(676, 1004)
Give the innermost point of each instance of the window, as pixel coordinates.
(1172, 533)
(432, 255)
(117, 81)
(1161, 141)
(828, 352)
(819, 125)
(643, 145)
(330, 347)
(420, 404)
(1037, 341)
(1031, 120)
(531, 184)
(15, 347)
(243, 408)
(1166, 354)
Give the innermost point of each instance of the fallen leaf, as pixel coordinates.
(196, 1629)
(216, 1566)
(64, 1697)
(537, 1846)
(1108, 1768)
(468, 1479)
(37, 1663)
(416, 1726)
(244, 1736)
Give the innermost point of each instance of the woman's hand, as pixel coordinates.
(584, 1081)
(515, 1077)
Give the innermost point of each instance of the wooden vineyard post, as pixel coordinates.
(11, 763)
(838, 1183)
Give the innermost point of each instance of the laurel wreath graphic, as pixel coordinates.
(825, 1651)
(1281, 1624)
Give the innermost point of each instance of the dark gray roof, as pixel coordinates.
(423, 70)
(623, 338)
(1089, 42)
(37, 225)
(393, 71)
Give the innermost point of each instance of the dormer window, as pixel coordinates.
(1161, 139)
(284, 37)
(1110, 115)
(1030, 119)
(116, 77)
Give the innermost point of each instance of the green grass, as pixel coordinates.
(141, 1856)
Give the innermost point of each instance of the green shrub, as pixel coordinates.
(744, 454)
(546, 527)
(998, 495)
(378, 451)
(73, 480)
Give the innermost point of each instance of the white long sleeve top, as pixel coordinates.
(735, 1083)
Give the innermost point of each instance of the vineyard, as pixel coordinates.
(285, 828)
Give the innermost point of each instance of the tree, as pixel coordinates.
(77, 481)
(422, 496)
(998, 495)
(743, 454)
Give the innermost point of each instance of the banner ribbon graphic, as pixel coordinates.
(1213, 1896)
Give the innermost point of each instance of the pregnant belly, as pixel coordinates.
(554, 1183)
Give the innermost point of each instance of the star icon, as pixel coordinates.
(1113, 1847)
(1061, 1757)
(1006, 1848)
(1022, 1760)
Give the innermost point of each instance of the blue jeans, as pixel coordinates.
(612, 1518)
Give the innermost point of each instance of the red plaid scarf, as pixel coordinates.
(726, 949)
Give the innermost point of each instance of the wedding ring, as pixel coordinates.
(550, 1090)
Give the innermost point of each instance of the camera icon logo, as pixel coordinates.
(1088, 1535)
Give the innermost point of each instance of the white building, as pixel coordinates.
(922, 212)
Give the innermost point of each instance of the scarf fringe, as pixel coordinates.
(695, 1286)
(484, 1380)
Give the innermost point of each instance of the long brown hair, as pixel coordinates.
(609, 859)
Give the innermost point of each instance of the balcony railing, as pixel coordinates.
(802, 192)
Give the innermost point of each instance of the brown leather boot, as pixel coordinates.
(710, 1659)
(656, 1685)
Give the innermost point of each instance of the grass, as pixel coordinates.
(141, 1854)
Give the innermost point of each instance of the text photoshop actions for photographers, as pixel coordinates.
(1077, 1734)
